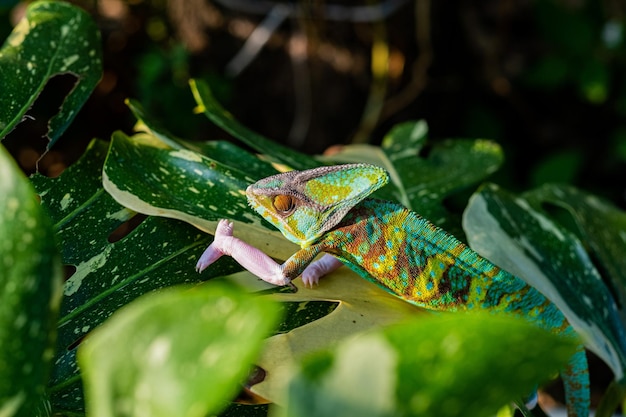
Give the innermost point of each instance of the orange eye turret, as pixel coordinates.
(284, 204)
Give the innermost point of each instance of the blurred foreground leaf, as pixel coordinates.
(440, 366)
(30, 291)
(181, 352)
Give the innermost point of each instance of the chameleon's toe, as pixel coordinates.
(310, 280)
(210, 255)
(224, 228)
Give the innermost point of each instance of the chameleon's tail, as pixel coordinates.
(576, 382)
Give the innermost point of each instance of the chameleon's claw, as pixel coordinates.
(310, 281)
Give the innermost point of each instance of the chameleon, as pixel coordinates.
(327, 209)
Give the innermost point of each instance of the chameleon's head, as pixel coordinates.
(304, 205)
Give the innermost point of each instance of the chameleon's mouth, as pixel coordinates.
(252, 197)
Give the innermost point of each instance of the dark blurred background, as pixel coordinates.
(544, 78)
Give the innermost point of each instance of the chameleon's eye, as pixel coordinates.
(284, 204)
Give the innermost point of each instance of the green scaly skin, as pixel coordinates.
(326, 210)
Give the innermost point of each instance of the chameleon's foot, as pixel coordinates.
(215, 251)
(316, 270)
(311, 276)
(224, 228)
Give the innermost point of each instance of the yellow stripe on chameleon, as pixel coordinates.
(427, 287)
(476, 294)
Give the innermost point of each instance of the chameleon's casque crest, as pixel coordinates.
(304, 205)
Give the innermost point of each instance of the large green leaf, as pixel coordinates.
(422, 181)
(30, 291)
(53, 38)
(181, 352)
(189, 186)
(449, 365)
(109, 273)
(508, 231)
(362, 306)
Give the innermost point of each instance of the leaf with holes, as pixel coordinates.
(108, 274)
(508, 231)
(53, 38)
(30, 290)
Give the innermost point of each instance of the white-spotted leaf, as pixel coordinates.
(187, 185)
(601, 227)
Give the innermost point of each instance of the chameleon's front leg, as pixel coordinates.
(253, 259)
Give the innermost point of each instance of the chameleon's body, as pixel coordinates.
(325, 210)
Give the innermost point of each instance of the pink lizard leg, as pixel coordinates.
(324, 266)
(251, 258)
(213, 252)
